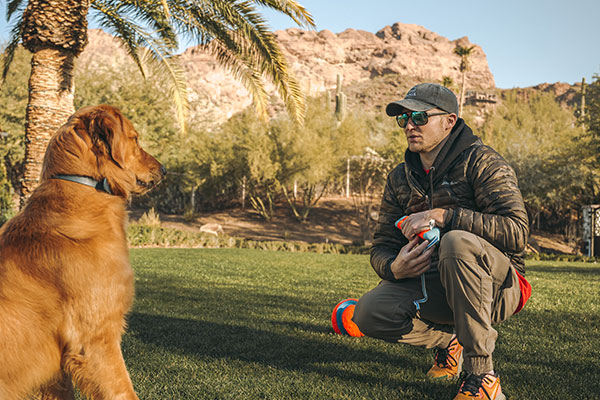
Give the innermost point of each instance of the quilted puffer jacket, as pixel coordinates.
(468, 178)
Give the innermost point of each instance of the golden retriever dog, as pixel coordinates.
(65, 279)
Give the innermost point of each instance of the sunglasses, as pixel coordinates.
(419, 118)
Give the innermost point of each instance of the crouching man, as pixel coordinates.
(449, 295)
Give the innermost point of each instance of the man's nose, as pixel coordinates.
(410, 125)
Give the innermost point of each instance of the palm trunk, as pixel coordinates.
(55, 31)
(51, 88)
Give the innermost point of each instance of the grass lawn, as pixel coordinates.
(251, 324)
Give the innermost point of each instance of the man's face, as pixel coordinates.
(425, 138)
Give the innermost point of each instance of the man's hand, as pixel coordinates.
(419, 222)
(412, 260)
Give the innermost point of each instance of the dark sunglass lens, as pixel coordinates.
(402, 120)
(419, 118)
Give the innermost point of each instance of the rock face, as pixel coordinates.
(412, 50)
(316, 58)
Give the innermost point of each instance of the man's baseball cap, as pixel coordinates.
(423, 97)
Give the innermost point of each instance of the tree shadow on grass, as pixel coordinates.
(544, 354)
(221, 341)
(278, 340)
(282, 329)
(285, 352)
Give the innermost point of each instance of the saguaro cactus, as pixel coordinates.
(340, 100)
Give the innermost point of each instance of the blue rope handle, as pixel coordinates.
(433, 236)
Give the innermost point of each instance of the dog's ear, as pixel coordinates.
(108, 127)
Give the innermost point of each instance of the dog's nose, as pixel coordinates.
(163, 170)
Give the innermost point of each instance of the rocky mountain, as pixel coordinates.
(316, 59)
(565, 93)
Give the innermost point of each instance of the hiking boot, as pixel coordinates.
(484, 386)
(448, 361)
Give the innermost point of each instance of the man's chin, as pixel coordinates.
(415, 148)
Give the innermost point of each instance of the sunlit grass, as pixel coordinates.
(250, 324)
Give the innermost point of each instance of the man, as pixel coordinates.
(447, 296)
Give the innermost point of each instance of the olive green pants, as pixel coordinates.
(474, 287)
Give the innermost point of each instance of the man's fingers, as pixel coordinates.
(418, 268)
(415, 224)
(407, 229)
(421, 263)
(421, 247)
(426, 253)
(411, 244)
(413, 250)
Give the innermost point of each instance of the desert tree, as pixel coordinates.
(464, 52)
(56, 32)
(548, 151)
(447, 81)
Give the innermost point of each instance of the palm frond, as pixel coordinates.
(244, 31)
(463, 50)
(149, 14)
(232, 30)
(11, 48)
(152, 52)
(162, 63)
(12, 7)
(292, 9)
(264, 47)
(244, 72)
(211, 31)
(110, 19)
(165, 5)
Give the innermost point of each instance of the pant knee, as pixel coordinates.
(377, 319)
(363, 314)
(459, 244)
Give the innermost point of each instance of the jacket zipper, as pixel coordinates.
(429, 197)
(430, 174)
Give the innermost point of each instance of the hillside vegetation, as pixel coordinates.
(252, 163)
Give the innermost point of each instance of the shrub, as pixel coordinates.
(6, 195)
(140, 235)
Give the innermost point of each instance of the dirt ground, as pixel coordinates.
(333, 220)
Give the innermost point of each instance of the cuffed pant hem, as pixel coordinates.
(478, 365)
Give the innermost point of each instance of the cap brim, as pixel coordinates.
(397, 107)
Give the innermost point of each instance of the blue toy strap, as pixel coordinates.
(340, 311)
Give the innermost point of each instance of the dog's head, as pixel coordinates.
(99, 142)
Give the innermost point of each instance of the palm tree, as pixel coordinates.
(447, 81)
(55, 31)
(463, 52)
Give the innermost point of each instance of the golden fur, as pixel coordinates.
(65, 279)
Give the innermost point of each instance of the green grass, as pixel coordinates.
(251, 324)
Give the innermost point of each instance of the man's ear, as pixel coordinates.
(109, 129)
(450, 121)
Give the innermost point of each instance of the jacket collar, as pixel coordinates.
(460, 138)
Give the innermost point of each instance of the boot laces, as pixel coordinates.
(444, 359)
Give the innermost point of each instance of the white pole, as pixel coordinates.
(348, 177)
(295, 189)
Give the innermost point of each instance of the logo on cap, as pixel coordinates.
(412, 92)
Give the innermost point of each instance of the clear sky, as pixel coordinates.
(526, 42)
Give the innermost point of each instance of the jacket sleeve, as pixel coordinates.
(501, 218)
(388, 240)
